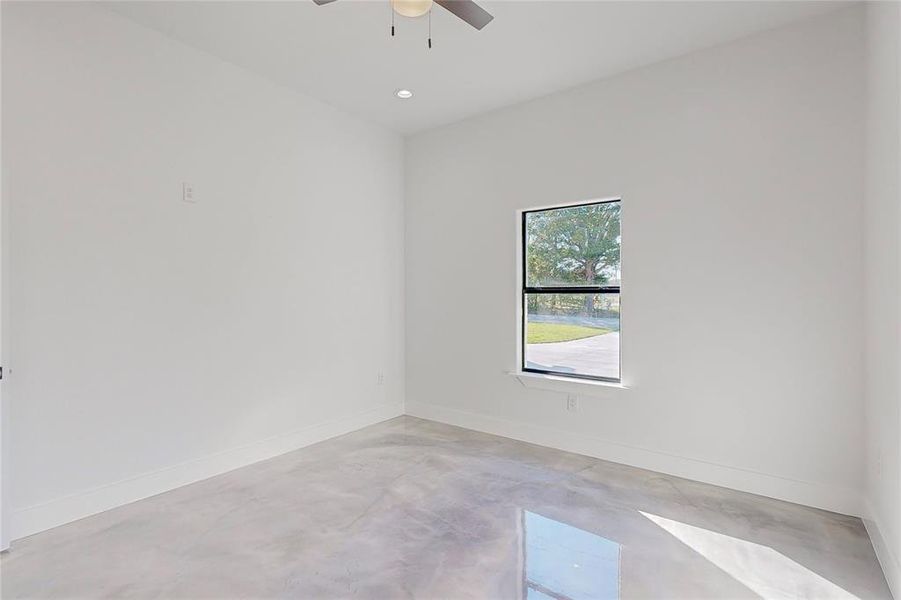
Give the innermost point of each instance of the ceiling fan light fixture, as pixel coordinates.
(403, 94)
(411, 8)
(467, 10)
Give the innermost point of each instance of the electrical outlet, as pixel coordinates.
(187, 192)
(381, 378)
(572, 403)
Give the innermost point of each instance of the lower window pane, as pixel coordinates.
(573, 334)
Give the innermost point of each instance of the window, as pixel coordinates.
(570, 291)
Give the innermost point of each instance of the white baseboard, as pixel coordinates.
(70, 508)
(887, 559)
(840, 500)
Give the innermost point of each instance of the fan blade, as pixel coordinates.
(467, 10)
(321, 2)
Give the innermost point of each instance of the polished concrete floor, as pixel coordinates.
(414, 509)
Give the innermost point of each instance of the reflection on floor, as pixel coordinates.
(562, 561)
(411, 508)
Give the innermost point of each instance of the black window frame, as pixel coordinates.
(584, 289)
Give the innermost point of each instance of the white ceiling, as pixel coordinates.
(342, 53)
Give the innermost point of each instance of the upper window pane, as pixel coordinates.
(574, 247)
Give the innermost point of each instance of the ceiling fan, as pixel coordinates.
(467, 10)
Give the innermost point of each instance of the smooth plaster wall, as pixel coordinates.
(154, 342)
(883, 286)
(741, 173)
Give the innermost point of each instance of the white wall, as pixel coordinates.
(153, 341)
(741, 170)
(883, 286)
(4, 338)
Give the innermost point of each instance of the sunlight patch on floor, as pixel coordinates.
(762, 569)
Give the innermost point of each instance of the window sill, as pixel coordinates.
(568, 385)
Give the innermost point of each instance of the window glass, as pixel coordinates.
(573, 334)
(571, 302)
(575, 247)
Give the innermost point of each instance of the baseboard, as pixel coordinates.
(31, 520)
(887, 559)
(840, 500)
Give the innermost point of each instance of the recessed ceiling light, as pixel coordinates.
(403, 94)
